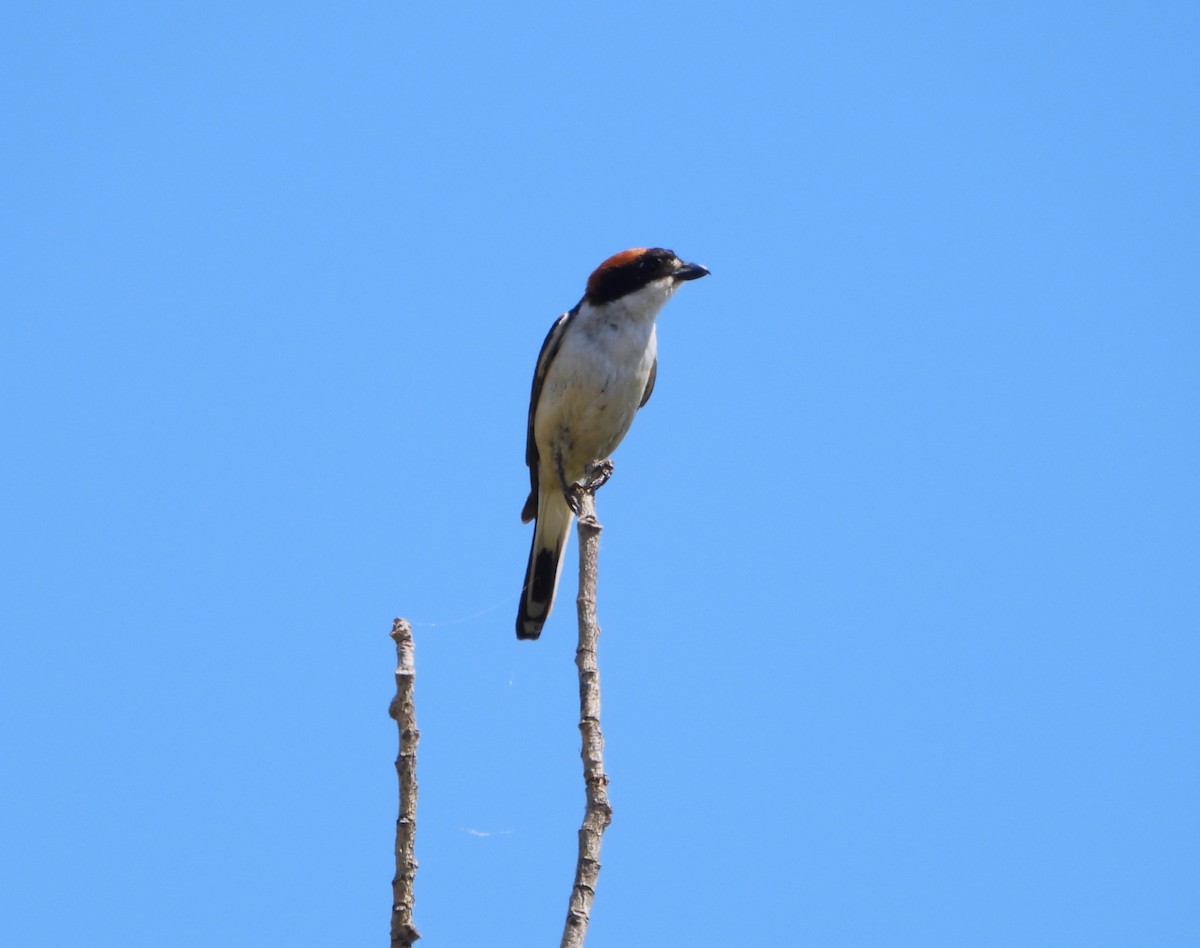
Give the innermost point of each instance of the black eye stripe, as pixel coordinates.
(611, 283)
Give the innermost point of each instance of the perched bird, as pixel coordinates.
(595, 370)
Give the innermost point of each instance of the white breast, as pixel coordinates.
(595, 383)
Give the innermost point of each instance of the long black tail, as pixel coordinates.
(545, 564)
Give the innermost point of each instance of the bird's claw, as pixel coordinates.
(595, 476)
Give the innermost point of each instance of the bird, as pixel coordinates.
(596, 368)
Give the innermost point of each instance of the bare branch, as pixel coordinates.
(403, 711)
(597, 813)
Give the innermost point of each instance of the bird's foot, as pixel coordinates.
(595, 476)
(572, 494)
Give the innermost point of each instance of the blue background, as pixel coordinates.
(899, 580)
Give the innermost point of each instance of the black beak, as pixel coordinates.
(690, 271)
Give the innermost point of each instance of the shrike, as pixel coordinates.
(595, 370)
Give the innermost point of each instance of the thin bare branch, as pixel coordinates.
(597, 813)
(403, 711)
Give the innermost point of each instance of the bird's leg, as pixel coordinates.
(595, 476)
(570, 491)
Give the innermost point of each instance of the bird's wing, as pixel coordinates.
(649, 383)
(550, 348)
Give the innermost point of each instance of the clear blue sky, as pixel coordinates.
(900, 581)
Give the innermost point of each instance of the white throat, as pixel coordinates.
(642, 305)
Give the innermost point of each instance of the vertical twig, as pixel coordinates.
(403, 711)
(597, 814)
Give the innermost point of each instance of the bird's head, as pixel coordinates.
(651, 271)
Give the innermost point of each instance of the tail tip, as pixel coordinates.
(528, 629)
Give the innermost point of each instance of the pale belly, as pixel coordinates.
(589, 398)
